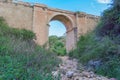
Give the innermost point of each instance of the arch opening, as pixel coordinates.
(64, 19)
(57, 28)
(69, 34)
(57, 37)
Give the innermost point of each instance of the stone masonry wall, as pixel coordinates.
(17, 15)
(86, 23)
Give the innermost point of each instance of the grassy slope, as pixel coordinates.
(21, 58)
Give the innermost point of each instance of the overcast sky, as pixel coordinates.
(95, 7)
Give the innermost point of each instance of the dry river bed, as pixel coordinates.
(68, 70)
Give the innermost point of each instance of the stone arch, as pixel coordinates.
(66, 20)
(69, 25)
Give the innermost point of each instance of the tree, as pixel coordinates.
(57, 45)
(110, 21)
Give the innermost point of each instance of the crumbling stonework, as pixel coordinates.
(36, 17)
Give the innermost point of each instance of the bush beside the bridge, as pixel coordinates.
(103, 44)
(21, 58)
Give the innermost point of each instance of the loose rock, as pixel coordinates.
(69, 71)
(69, 74)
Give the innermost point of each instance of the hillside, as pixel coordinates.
(99, 50)
(21, 58)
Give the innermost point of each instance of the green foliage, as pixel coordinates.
(91, 47)
(111, 67)
(103, 43)
(23, 34)
(57, 45)
(110, 21)
(21, 58)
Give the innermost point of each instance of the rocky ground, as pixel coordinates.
(68, 70)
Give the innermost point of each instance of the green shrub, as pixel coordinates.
(91, 47)
(25, 61)
(21, 58)
(110, 68)
(103, 43)
(87, 48)
(110, 21)
(57, 45)
(18, 33)
(24, 34)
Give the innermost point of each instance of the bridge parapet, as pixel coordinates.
(28, 4)
(23, 3)
(83, 14)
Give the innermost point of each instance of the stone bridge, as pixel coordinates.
(36, 17)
